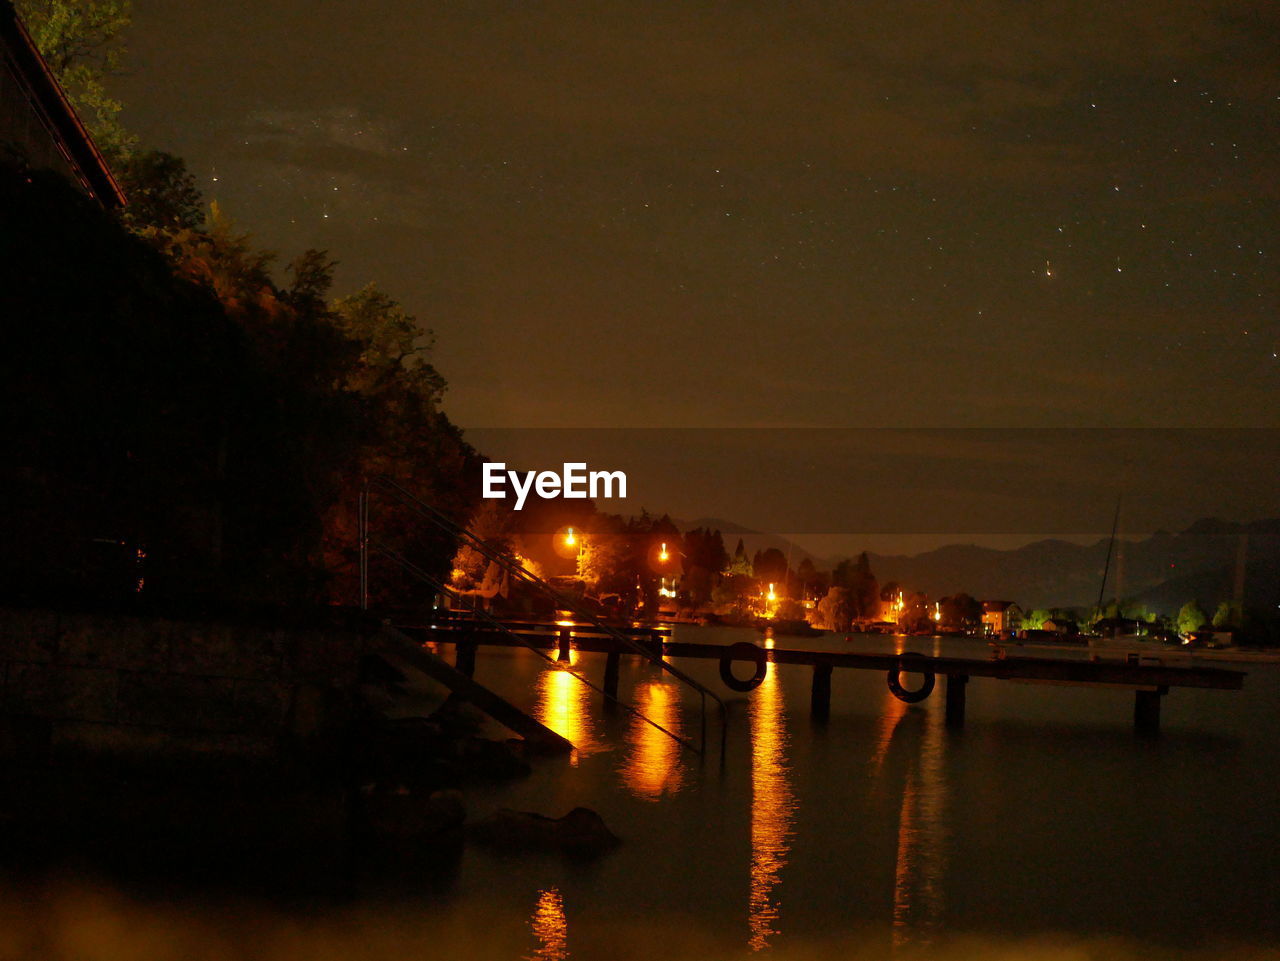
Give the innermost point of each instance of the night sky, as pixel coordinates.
(934, 215)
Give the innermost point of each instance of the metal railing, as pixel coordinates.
(368, 544)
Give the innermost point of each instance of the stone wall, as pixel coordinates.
(116, 684)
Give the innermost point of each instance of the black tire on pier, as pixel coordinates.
(743, 651)
(911, 697)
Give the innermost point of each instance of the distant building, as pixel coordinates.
(1212, 637)
(1120, 626)
(38, 126)
(999, 617)
(1061, 625)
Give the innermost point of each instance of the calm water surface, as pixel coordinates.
(1044, 818)
(1044, 830)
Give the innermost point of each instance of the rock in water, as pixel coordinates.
(581, 831)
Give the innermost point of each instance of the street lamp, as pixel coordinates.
(575, 541)
(659, 565)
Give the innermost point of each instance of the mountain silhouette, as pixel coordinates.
(1164, 570)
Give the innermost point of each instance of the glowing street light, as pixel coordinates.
(577, 544)
(662, 554)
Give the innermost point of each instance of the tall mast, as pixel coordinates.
(1111, 545)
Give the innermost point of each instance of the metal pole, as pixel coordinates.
(1106, 569)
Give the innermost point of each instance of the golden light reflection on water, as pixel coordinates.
(564, 705)
(550, 928)
(772, 808)
(653, 764)
(920, 869)
(56, 920)
(890, 717)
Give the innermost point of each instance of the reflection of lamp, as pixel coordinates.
(653, 765)
(563, 706)
(550, 927)
(773, 808)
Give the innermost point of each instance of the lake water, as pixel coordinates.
(1044, 830)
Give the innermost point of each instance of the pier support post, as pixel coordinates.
(956, 685)
(656, 646)
(611, 679)
(465, 658)
(820, 694)
(563, 653)
(1146, 710)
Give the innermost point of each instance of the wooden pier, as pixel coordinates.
(1150, 682)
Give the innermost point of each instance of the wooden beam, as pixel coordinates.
(820, 694)
(611, 666)
(956, 685)
(1146, 711)
(1037, 668)
(465, 658)
(1116, 673)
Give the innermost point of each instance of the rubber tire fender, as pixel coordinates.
(911, 697)
(743, 651)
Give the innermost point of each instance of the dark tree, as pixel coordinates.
(864, 593)
(960, 611)
(770, 566)
(162, 194)
(704, 560)
(705, 549)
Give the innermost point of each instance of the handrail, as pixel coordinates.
(542, 628)
(505, 563)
